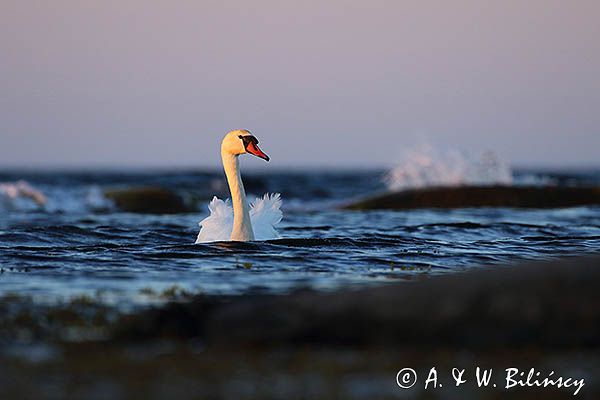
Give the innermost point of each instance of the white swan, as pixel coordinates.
(242, 222)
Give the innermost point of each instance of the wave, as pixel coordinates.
(427, 166)
(22, 196)
(15, 192)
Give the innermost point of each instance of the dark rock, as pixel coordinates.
(482, 196)
(352, 343)
(544, 305)
(174, 320)
(151, 200)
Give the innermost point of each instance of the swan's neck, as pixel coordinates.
(242, 225)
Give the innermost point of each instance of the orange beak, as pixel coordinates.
(253, 149)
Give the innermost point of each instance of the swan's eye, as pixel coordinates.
(248, 139)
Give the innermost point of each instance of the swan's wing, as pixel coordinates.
(265, 213)
(219, 224)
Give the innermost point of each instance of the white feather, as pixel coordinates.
(265, 213)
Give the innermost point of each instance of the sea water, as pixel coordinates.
(78, 243)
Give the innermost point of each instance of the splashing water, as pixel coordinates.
(428, 167)
(20, 195)
(11, 191)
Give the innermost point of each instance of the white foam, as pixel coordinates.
(427, 166)
(21, 189)
(20, 195)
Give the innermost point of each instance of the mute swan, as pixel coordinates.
(243, 222)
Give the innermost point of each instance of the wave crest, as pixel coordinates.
(427, 166)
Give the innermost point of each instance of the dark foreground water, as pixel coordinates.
(79, 244)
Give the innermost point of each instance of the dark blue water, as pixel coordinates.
(78, 243)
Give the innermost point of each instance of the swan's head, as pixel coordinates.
(242, 141)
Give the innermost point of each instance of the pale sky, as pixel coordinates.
(346, 83)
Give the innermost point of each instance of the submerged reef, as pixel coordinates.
(481, 196)
(147, 199)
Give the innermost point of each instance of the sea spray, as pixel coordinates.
(427, 166)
